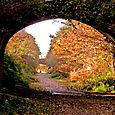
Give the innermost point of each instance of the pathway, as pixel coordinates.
(49, 84)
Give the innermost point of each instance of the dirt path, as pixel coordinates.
(49, 84)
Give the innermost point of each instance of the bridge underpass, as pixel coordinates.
(16, 15)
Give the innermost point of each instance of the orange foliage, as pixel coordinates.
(81, 51)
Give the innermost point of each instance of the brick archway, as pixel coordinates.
(16, 15)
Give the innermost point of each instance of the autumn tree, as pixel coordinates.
(22, 46)
(82, 51)
(21, 58)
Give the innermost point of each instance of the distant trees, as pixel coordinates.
(51, 60)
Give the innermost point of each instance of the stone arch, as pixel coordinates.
(16, 15)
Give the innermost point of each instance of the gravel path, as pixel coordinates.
(49, 84)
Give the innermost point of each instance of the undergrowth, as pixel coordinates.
(17, 73)
(102, 83)
(58, 75)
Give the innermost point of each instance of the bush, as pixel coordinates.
(12, 75)
(102, 88)
(55, 74)
(25, 73)
(99, 83)
(58, 75)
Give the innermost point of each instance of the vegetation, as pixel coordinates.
(100, 14)
(80, 57)
(20, 68)
(83, 53)
(58, 75)
(100, 83)
(21, 60)
(11, 73)
(71, 85)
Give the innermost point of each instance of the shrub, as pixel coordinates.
(11, 73)
(101, 83)
(55, 74)
(58, 75)
(102, 88)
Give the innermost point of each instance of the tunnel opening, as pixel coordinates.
(71, 58)
(98, 14)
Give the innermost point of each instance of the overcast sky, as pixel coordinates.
(42, 30)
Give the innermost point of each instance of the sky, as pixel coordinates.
(41, 32)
